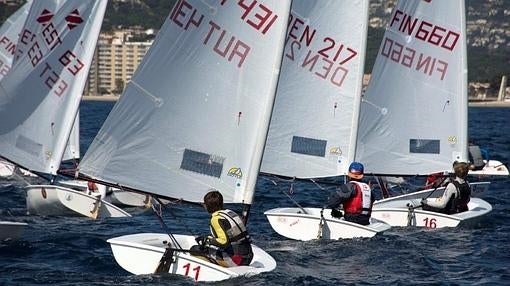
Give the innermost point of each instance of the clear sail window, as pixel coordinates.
(28, 145)
(308, 146)
(424, 146)
(202, 163)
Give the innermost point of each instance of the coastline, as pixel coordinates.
(491, 103)
(99, 98)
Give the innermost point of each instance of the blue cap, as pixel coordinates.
(356, 170)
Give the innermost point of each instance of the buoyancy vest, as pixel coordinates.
(361, 203)
(459, 203)
(237, 233)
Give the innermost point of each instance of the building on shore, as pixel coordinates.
(116, 58)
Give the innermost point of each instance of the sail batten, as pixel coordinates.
(195, 115)
(414, 113)
(314, 123)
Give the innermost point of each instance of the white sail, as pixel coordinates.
(414, 114)
(314, 122)
(9, 37)
(195, 114)
(72, 150)
(39, 98)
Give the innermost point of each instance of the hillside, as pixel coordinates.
(486, 64)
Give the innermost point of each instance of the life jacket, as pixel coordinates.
(361, 203)
(91, 186)
(239, 247)
(459, 203)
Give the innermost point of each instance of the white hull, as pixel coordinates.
(293, 223)
(477, 190)
(125, 198)
(51, 200)
(397, 213)
(141, 253)
(11, 230)
(117, 197)
(6, 169)
(492, 168)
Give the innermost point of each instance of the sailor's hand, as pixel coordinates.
(201, 239)
(336, 213)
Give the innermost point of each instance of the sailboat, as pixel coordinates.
(40, 95)
(9, 34)
(193, 117)
(10, 230)
(413, 117)
(314, 123)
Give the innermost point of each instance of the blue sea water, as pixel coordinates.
(74, 251)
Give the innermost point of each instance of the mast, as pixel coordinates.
(358, 97)
(464, 98)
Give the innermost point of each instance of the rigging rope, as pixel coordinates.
(15, 174)
(159, 213)
(411, 216)
(321, 225)
(291, 190)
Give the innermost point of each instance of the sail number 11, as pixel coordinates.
(187, 266)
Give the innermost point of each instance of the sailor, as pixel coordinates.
(94, 189)
(477, 156)
(356, 197)
(456, 196)
(229, 243)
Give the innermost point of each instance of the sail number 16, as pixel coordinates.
(430, 222)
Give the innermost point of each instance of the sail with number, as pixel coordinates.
(414, 113)
(9, 37)
(314, 122)
(196, 112)
(40, 96)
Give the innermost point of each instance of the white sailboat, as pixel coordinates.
(491, 168)
(413, 117)
(9, 32)
(40, 95)
(194, 117)
(314, 123)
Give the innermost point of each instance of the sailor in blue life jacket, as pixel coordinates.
(229, 243)
(356, 197)
(456, 196)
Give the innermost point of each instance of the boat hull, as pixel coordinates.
(477, 190)
(6, 169)
(51, 200)
(295, 224)
(141, 253)
(116, 196)
(397, 213)
(492, 168)
(11, 230)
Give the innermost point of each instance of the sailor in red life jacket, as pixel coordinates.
(356, 197)
(94, 189)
